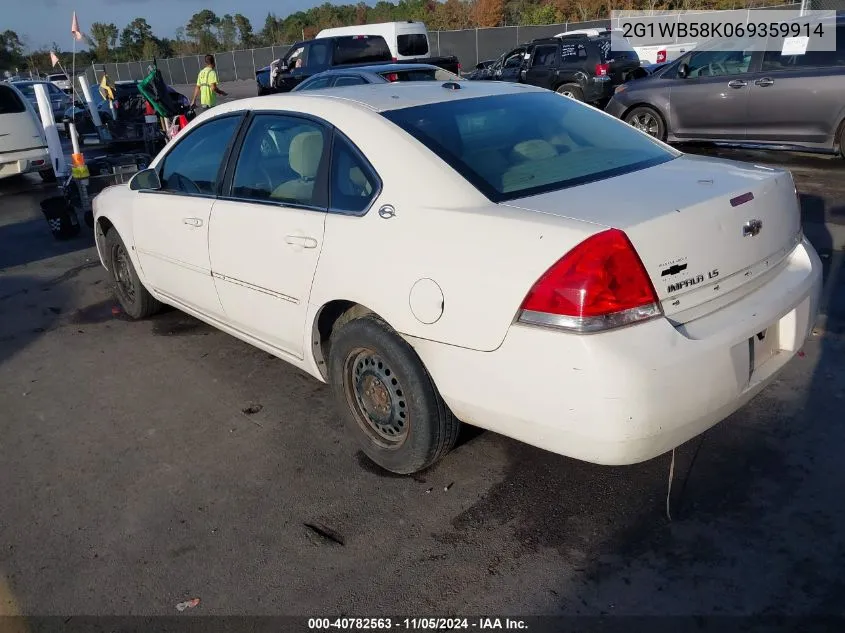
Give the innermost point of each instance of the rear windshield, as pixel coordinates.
(27, 89)
(615, 47)
(518, 145)
(413, 44)
(10, 103)
(58, 77)
(421, 74)
(360, 49)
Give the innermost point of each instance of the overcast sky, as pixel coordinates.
(40, 22)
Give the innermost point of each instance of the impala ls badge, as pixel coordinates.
(752, 228)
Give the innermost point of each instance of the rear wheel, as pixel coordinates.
(842, 139)
(573, 91)
(647, 120)
(47, 175)
(135, 300)
(387, 398)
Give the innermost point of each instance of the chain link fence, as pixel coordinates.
(470, 46)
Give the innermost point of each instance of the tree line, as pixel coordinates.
(206, 32)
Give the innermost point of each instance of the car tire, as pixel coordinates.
(842, 139)
(47, 175)
(573, 91)
(135, 300)
(386, 397)
(647, 120)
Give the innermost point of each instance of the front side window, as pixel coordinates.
(516, 145)
(353, 184)
(514, 60)
(412, 45)
(192, 167)
(280, 160)
(718, 63)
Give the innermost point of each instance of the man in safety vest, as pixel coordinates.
(206, 87)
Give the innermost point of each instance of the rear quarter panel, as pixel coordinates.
(483, 257)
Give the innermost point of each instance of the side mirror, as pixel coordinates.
(683, 71)
(146, 180)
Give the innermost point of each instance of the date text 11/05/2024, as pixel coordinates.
(416, 624)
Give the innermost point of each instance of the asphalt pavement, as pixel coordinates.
(145, 464)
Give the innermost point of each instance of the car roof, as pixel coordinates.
(387, 96)
(378, 68)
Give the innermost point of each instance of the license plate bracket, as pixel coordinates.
(762, 347)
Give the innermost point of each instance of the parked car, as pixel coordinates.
(607, 332)
(481, 69)
(725, 91)
(582, 66)
(59, 101)
(23, 146)
(377, 74)
(61, 81)
(306, 59)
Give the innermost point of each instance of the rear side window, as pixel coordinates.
(10, 103)
(414, 44)
(544, 56)
(773, 60)
(572, 53)
(316, 84)
(518, 145)
(360, 49)
(349, 80)
(423, 74)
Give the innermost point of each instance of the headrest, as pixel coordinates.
(306, 149)
(535, 149)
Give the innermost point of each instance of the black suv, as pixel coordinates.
(582, 66)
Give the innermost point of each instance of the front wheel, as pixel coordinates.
(387, 398)
(647, 120)
(135, 300)
(573, 91)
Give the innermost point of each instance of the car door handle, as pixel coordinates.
(301, 240)
(192, 221)
(737, 83)
(764, 82)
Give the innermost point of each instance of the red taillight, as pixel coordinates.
(661, 56)
(598, 285)
(602, 70)
(395, 59)
(392, 77)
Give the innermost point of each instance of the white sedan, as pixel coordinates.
(475, 251)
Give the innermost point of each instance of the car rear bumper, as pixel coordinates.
(27, 161)
(615, 108)
(631, 394)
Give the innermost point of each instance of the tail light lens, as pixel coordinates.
(395, 59)
(602, 70)
(392, 77)
(661, 56)
(599, 285)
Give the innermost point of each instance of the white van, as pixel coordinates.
(406, 40)
(23, 146)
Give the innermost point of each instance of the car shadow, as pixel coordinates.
(25, 235)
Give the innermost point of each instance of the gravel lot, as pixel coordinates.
(133, 480)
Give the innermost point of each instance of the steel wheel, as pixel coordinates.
(375, 395)
(123, 274)
(646, 122)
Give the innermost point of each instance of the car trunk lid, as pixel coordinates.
(706, 230)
